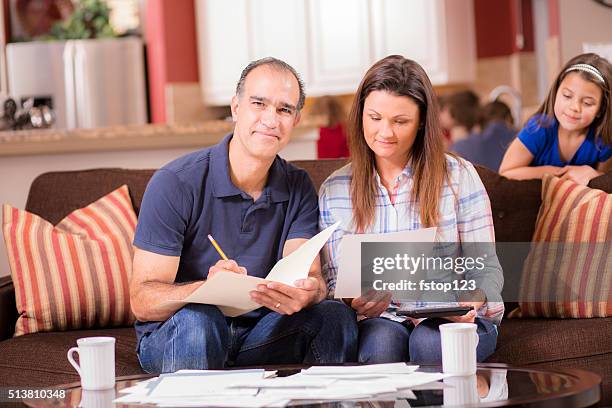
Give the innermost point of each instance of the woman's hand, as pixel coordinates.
(372, 303)
(470, 316)
(475, 298)
(579, 174)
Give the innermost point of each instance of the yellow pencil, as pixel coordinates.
(217, 247)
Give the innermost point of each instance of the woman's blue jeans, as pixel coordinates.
(201, 337)
(385, 341)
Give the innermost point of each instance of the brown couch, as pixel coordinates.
(40, 359)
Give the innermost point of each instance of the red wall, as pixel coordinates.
(171, 49)
(553, 18)
(7, 21)
(497, 26)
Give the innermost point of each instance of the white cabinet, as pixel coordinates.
(222, 47)
(438, 34)
(332, 42)
(277, 28)
(231, 33)
(405, 28)
(339, 51)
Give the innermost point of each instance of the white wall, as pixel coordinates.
(582, 21)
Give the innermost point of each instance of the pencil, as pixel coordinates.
(217, 247)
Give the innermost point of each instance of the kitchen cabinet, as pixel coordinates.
(332, 42)
(223, 47)
(438, 34)
(233, 33)
(339, 52)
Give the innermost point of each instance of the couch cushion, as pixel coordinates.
(39, 359)
(532, 341)
(565, 274)
(74, 275)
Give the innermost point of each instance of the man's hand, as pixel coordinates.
(226, 266)
(285, 299)
(372, 303)
(579, 174)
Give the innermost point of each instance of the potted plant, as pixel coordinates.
(90, 19)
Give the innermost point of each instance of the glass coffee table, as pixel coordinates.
(494, 385)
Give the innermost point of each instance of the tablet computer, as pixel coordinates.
(435, 311)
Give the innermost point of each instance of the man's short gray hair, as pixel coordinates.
(275, 63)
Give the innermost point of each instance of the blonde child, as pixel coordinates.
(571, 133)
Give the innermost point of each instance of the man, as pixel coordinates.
(259, 208)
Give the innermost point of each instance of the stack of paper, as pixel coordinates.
(260, 388)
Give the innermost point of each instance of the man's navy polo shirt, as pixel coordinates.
(193, 196)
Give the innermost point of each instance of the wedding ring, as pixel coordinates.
(277, 305)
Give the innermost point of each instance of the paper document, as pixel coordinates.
(338, 371)
(294, 381)
(348, 281)
(251, 388)
(230, 291)
(201, 385)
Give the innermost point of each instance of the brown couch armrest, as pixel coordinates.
(8, 309)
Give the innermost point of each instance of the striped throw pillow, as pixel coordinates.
(74, 275)
(568, 272)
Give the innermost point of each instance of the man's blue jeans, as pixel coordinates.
(385, 341)
(201, 337)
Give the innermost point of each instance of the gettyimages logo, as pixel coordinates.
(432, 271)
(412, 264)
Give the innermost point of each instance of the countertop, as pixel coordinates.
(132, 137)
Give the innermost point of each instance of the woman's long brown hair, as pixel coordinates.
(402, 77)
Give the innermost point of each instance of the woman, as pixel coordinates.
(400, 179)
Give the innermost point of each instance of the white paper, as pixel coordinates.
(415, 379)
(246, 402)
(297, 264)
(249, 388)
(238, 401)
(331, 393)
(348, 280)
(230, 291)
(293, 381)
(396, 381)
(185, 386)
(369, 369)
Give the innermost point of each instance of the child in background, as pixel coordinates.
(571, 133)
(487, 148)
(459, 114)
(332, 137)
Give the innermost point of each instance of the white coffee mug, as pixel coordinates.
(459, 342)
(97, 362)
(461, 390)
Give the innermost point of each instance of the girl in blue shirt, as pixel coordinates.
(570, 135)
